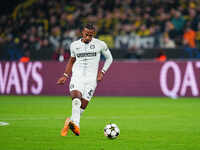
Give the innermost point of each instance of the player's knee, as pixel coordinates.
(75, 94)
(76, 102)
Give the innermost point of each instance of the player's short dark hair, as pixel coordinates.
(88, 26)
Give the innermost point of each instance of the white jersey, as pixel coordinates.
(88, 57)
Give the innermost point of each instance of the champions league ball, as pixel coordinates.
(111, 131)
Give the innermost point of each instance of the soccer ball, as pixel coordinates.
(111, 131)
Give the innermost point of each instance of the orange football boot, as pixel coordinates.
(66, 127)
(75, 129)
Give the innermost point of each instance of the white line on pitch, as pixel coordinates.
(4, 123)
(87, 117)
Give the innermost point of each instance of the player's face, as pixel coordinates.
(87, 35)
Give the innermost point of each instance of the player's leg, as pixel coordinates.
(76, 104)
(84, 104)
(88, 92)
(73, 122)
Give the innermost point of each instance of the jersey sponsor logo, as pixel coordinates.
(87, 54)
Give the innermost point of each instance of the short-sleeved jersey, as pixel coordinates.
(87, 58)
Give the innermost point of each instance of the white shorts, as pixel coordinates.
(85, 87)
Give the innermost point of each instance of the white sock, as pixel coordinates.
(81, 111)
(76, 104)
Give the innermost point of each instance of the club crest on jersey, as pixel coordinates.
(92, 46)
(87, 54)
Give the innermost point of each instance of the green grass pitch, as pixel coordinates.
(145, 123)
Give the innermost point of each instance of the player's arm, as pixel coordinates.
(109, 59)
(68, 70)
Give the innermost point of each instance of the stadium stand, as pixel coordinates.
(133, 29)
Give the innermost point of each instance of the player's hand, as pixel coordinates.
(100, 76)
(61, 80)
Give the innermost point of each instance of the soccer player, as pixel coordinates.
(84, 65)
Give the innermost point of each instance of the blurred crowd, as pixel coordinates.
(44, 29)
